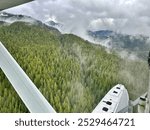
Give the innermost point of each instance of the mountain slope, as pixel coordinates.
(62, 67)
(139, 45)
(8, 19)
(72, 73)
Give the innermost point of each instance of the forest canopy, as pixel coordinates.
(73, 74)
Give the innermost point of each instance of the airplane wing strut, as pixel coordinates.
(30, 95)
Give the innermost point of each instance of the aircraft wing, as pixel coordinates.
(30, 95)
(5, 4)
(115, 101)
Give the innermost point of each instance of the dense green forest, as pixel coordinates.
(71, 73)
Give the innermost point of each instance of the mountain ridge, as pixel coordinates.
(136, 44)
(8, 19)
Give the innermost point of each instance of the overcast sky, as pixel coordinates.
(127, 16)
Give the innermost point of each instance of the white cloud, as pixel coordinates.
(102, 23)
(128, 16)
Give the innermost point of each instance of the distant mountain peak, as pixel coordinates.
(54, 24)
(103, 34)
(138, 44)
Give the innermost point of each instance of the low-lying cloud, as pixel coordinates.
(77, 16)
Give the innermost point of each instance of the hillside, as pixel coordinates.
(72, 73)
(139, 45)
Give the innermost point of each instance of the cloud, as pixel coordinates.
(127, 16)
(102, 23)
